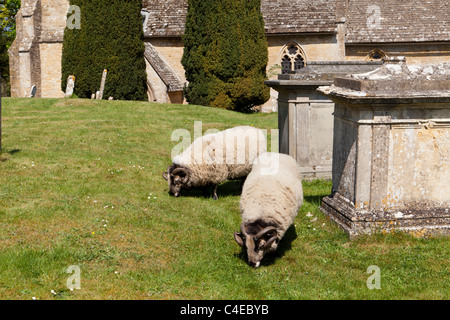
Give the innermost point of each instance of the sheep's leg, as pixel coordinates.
(215, 197)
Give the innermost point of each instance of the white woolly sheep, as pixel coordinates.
(271, 197)
(215, 158)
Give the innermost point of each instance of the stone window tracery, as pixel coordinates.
(292, 58)
(376, 54)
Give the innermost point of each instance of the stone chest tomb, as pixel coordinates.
(305, 117)
(391, 150)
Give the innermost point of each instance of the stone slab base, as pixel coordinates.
(316, 172)
(420, 223)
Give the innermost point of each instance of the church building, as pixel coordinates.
(298, 31)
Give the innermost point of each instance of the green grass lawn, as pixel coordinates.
(81, 184)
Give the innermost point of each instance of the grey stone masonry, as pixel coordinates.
(391, 150)
(305, 119)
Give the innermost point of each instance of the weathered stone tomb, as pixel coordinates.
(305, 117)
(391, 150)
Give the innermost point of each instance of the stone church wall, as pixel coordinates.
(416, 53)
(51, 54)
(315, 47)
(35, 55)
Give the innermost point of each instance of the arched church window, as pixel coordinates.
(292, 59)
(376, 54)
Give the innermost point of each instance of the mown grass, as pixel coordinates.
(80, 184)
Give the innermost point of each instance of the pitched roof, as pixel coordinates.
(299, 16)
(167, 17)
(397, 21)
(376, 21)
(164, 71)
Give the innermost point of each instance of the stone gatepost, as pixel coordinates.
(391, 150)
(305, 119)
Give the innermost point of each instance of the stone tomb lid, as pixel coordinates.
(328, 70)
(321, 73)
(394, 81)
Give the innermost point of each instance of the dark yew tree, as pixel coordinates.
(111, 37)
(225, 54)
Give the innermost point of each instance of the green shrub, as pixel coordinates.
(225, 54)
(110, 37)
(4, 65)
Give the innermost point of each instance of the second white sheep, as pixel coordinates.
(271, 197)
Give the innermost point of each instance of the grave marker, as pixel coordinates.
(102, 85)
(70, 86)
(33, 91)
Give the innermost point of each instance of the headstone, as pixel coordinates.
(33, 91)
(97, 95)
(102, 85)
(93, 96)
(70, 86)
(110, 98)
(391, 151)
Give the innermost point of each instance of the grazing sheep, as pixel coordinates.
(215, 158)
(271, 197)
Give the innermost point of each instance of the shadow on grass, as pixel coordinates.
(315, 200)
(226, 189)
(269, 259)
(11, 152)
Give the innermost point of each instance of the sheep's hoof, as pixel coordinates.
(215, 197)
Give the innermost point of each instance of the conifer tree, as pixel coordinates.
(4, 59)
(111, 37)
(225, 54)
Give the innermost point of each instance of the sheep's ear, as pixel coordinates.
(166, 174)
(239, 238)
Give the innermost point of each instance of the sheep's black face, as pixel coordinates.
(257, 244)
(175, 186)
(176, 177)
(255, 249)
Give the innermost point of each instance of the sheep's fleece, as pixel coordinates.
(272, 192)
(225, 155)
